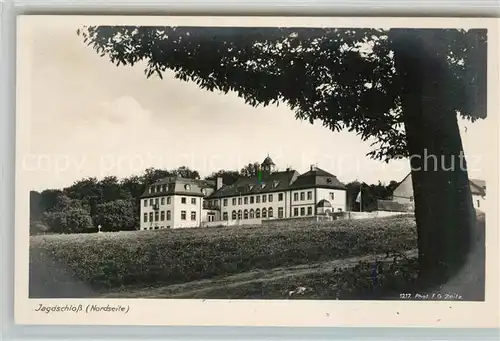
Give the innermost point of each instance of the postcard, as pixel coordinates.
(257, 171)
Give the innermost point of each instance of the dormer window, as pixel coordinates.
(158, 188)
(262, 186)
(275, 184)
(164, 188)
(328, 180)
(152, 189)
(187, 187)
(250, 187)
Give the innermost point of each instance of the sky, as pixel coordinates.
(90, 118)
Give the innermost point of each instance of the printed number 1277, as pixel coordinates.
(404, 296)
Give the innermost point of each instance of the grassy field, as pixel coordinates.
(334, 260)
(182, 263)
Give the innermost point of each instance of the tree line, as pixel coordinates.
(114, 203)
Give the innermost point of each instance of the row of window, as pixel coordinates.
(164, 188)
(160, 216)
(157, 216)
(302, 196)
(261, 186)
(169, 201)
(239, 201)
(156, 227)
(158, 188)
(268, 198)
(253, 199)
(240, 214)
(251, 214)
(302, 211)
(266, 213)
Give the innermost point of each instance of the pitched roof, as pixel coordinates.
(268, 183)
(273, 182)
(317, 177)
(407, 175)
(178, 185)
(268, 162)
(477, 187)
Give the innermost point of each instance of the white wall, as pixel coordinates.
(339, 200)
(287, 204)
(175, 207)
(188, 207)
(370, 215)
(305, 203)
(162, 207)
(404, 191)
(382, 214)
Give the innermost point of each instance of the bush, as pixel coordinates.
(73, 220)
(145, 258)
(116, 215)
(38, 227)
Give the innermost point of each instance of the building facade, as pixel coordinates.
(180, 203)
(174, 202)
(403, 194)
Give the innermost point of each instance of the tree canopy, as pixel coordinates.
(343, 77)
(402, 88)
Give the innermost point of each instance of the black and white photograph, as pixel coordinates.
(220, 160)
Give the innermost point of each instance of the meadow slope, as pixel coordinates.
(88, 265)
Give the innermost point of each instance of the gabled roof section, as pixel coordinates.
(318, 178)
(477, 187)
(177, 185)
(407, 175)
(274, 182)
(267, 162)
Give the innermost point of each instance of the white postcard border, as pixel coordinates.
(258, 312)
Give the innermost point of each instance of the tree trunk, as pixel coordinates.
(443, 203)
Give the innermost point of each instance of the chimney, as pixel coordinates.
(219, 183)
(313, 167)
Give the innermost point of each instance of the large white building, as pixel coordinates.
(176, 202)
